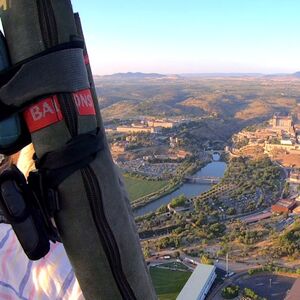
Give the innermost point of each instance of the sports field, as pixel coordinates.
(138, 187)
(168, 283)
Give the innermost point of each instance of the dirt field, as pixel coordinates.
(253, 151)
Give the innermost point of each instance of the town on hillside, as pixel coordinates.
(231, 205)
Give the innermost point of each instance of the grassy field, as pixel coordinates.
(167, 283)
(137, 187)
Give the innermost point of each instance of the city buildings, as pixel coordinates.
(161, 123)
(150, 126)
(284, 206)
(296, 210)
(290, 148)
(294, 176)
(282, 123)
(281, 135)
(183, 154)
(286, 141)
(136, 129)
(119, 148)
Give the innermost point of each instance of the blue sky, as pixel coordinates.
(192, 36)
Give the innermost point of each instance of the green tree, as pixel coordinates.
(231, 211)
(206, 260)
(162, 209)
(230, 292)
(250, 294)
(146, 252)
(178, 201)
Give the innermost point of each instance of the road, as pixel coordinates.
(235, 266)
(283, 178)
(270, 286)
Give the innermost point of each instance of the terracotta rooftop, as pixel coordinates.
(294, 293)
(285, 202)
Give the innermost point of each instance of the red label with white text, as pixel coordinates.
(86, 59)
(84, 103)
(42, 114)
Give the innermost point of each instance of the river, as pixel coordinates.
(215, 168)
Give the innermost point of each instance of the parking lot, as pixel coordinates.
(157, 170)
(272, 287)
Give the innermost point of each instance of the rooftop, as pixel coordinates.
(286, 202)
(257, 218)
(294, 292)
(197, 282)
(283, 117)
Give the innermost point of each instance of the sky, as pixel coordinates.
(192, 36)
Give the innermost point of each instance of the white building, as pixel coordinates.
(137, 129)
(161, 123)
(286, 142)
(199, 284)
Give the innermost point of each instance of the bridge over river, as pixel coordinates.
(202, 179)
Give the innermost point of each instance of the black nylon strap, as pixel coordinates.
(57, 165)
(7, 110)
(10, 73)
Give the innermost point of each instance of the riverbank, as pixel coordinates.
(169, 189)
(139, 187)
(154, 196)
(190, 190)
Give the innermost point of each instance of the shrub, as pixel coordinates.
(250, 294)
(178, 201)
(230, 292)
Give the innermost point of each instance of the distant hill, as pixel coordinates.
(297, 74)
(134, 75)
(224, 75)
(242, 100)
(145, 76)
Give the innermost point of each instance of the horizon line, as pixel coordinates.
(199, 73)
